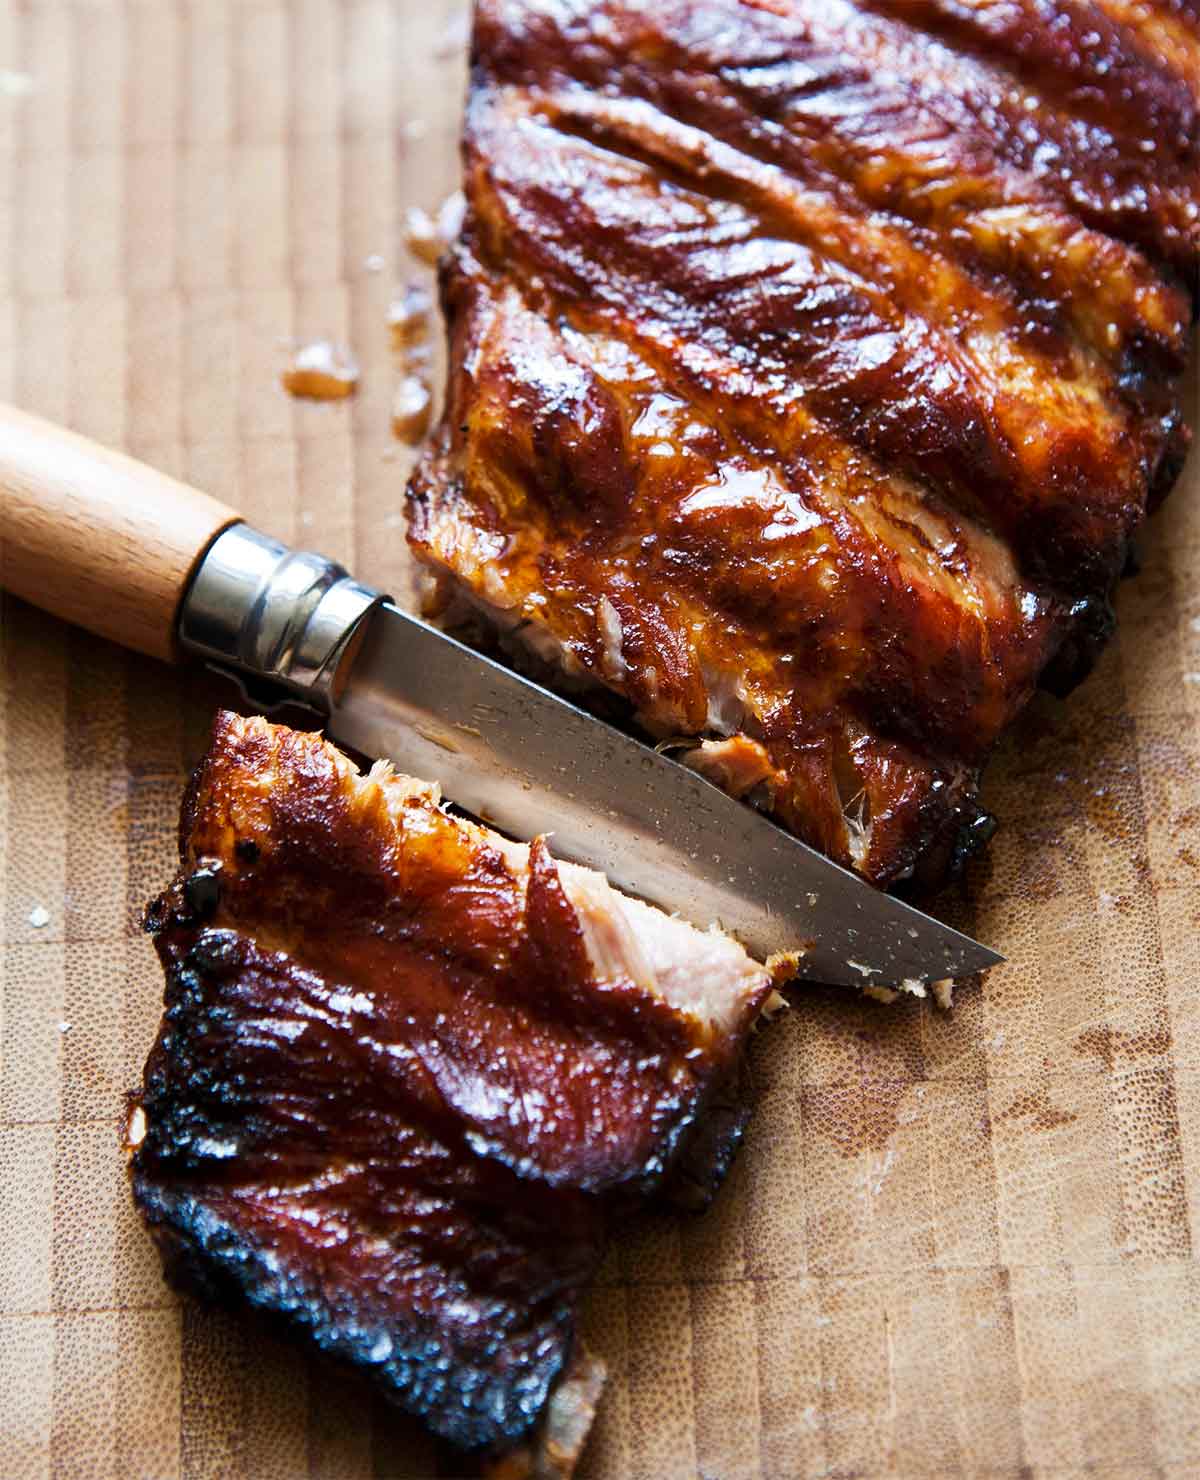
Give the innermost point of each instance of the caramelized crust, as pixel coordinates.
(408, 1071)
(812, 366)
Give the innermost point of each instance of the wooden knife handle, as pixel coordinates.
(96, 537)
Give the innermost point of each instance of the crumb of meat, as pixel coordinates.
(612, 635)
(771, 1008)
(555, 1452)
(941, 991)
(783, 966)
(135, 1129)
(320, 371)
(737, 764)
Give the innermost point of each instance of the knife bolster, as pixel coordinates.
(282, 618)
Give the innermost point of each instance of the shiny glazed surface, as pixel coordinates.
(393, 1100)
(812, 365)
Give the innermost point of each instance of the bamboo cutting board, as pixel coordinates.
(954, 1245)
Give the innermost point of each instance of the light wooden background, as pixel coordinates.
(954, 1246)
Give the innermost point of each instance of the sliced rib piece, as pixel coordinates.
(408, 1071)
(812, 364)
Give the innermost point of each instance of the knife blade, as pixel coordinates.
(526, 761)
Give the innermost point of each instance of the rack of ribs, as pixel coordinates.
(407, 1075)
(813, 363)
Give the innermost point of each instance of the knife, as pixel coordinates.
(129, 553)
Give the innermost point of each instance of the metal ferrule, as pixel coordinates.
(280, 618)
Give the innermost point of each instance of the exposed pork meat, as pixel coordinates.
(812, 364)
(407, 1073)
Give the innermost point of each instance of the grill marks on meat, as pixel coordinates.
(812, 365)
(407, 1073)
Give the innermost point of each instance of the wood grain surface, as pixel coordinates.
(955, 1245)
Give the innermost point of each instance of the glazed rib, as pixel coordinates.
(408, 1072)
(812, 365)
